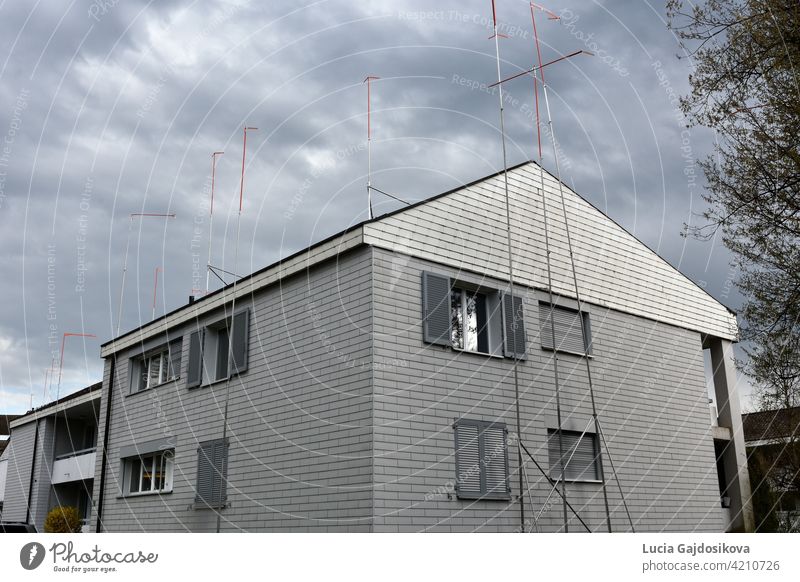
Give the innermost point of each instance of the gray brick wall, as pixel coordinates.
(343, 421)
(300, 417)
(651, 398)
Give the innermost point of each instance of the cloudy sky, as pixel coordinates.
(114, 107)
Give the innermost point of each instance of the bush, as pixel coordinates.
(63, 520)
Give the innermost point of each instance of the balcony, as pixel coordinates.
(75, 466)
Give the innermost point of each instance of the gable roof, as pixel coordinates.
(466, 228)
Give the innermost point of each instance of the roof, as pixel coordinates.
(61, 403)
(3, 445)
(5, 422)
(769, 425)
(632, 279)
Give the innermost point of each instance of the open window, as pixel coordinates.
(219, 350)
(471, 318)
(156, 367)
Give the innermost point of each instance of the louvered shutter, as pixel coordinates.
(138, 371)
(240, 342)
(580, 456)
(174, 359)
(569, 335)
(436, 309)
(495, 461)
(194, 371)
(513, 327)
(468, 458)
(212, 473)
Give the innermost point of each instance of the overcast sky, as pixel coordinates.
(114, 108)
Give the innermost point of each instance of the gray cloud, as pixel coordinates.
(122, 112)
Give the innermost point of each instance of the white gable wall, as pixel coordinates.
(467, 229)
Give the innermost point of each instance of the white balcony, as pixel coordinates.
(76, 466)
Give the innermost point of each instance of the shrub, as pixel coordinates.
(63, 520)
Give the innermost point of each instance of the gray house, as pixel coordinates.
(367, 383)
(50, 459)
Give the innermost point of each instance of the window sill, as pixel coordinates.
(569, 353)
(145, 493)
(156, 387)
(204, 505)
(587, 481)
(474, 353)
(506, 497)
(209, 384)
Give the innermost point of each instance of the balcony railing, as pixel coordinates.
(74, 466)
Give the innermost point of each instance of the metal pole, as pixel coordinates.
(155, 288)
(125, 263)
(574, 279)
(551, 307)
(211, 215)
(510, 279)
(369, 145)
(233, 314)
(124, 273)
(61, 363)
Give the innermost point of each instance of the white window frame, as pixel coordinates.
(144, 379)
(131, 476)
(494, 329)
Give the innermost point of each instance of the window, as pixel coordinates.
(581, 456)
(212, 473)
(148, 473)
(481, 460)
(214, 355)
(469, 329)
(470, 318)
(569, 333)
(156, 367)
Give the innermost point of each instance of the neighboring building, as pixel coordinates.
(773, 448)
(372, 385)
(51, 457)
(5, 431)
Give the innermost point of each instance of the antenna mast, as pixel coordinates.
(61, 363)
(368, 81)
(516, 348)
(211, 215)
(127, 248)
(233, 306)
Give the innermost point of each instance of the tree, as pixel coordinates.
(63, 520)
(746, 87)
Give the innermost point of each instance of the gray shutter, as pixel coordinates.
(175, 358)
(468, 460)
(495, 461)
(569, 336)
(212, 473)
(436, 309)
(136, 368)
(513, 327)
(194, 371)
(582, 465)
(240, 341)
